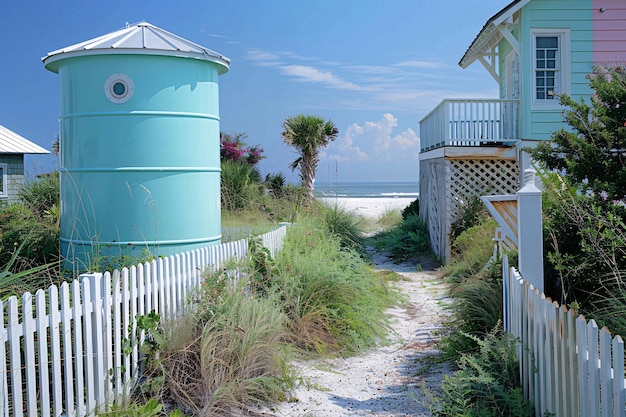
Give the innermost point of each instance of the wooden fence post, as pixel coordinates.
(529, 231)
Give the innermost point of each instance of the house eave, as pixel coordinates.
(13, 144)
(490, 35)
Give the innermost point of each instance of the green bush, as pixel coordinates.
(412, 209)
(20, 224)
(487, 382)
(471, 214)
(476, 308)
(276, 184)
(32, 225)
(408, 239)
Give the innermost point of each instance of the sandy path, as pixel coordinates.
(389, 381)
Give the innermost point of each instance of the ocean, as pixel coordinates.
(367, 189)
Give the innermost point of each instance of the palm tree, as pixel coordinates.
(307, 134)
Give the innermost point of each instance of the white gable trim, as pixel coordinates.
(11, 142)
(492, 32)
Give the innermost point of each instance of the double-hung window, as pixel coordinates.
(550, 66)
(3, 181)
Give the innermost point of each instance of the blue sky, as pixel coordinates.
(374, 67)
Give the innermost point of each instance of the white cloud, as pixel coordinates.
(311, 74)
(373, 142)
(370, 69)
(262, 58)
(420, 64)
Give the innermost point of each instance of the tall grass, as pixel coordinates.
(318, 296)
(239, 184)
(389, 219)
(42, 194)
(471, 251)
(223, 357)
(407, 239)
(240, 359)
(476, 290)
(341, 224)
(334, 301)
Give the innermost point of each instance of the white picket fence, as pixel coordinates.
(68, 351)
(567, 366)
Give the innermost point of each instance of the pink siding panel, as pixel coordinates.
(609, 32)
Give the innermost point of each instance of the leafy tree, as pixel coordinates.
(584, 211)
(307, 134)
(233, 147)
(592, 152)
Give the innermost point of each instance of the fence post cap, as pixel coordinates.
(529, 176)
(529, 186)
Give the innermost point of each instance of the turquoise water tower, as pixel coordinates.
(139, 145)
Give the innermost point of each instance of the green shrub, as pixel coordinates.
(276, 184)
(471, 214)
(412, 209)
(408, 239)
(19, 224)
(487, 382)
(475, 309)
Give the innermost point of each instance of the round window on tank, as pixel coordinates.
(119, 88)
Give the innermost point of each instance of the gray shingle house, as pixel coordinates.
(13, 147)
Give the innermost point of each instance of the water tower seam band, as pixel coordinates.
(143, 242)
(141, 113)
(143, 169)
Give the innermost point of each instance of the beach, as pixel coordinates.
(369, 207)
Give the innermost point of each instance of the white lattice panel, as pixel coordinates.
(472, 177)
(446, 184)
(433, 202)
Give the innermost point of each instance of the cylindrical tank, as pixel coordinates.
(139, 145)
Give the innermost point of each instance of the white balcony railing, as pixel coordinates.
(470, 123)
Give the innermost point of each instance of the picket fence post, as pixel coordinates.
(529, 231)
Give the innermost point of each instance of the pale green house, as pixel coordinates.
(535, 50)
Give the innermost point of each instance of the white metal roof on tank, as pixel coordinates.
(138, 38)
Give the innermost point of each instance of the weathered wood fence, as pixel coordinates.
(69, 350)
(567, 366)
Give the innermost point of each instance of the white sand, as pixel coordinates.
(369, 207)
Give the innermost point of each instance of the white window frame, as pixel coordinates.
(4, 173)
(562, 83)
